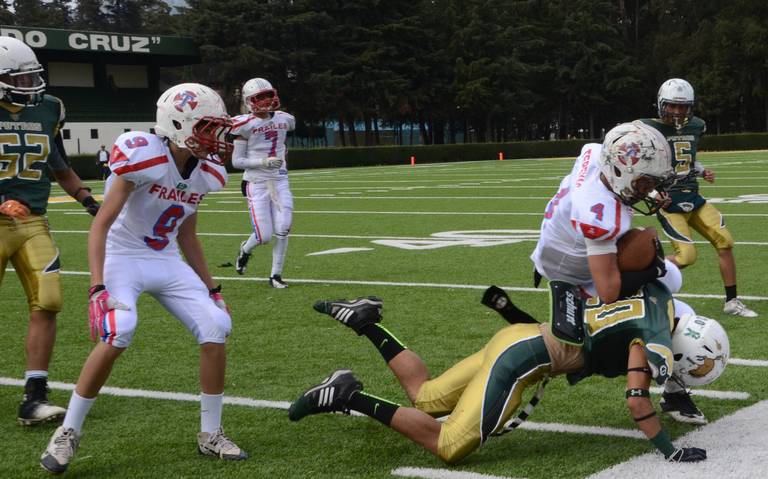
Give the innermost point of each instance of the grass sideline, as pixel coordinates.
(280, 346)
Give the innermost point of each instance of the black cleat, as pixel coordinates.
(356, 314)
(241, 263)
(331, 395)
(681, 408)
(35, 409)
(276, 281)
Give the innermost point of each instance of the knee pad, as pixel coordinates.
(685, 254)
(216, 328)
(118, 326)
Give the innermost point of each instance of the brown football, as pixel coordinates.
(635, 249)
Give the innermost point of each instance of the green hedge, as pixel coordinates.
(303, 158)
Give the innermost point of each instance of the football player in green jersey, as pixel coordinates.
(688, 208)
(30, 140)
(480, 394)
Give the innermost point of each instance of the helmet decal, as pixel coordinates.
(185, 98)
(629, 154)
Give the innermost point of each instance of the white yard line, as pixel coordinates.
(735, 447)
(431, 473)
(759, 363)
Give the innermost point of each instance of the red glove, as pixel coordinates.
(99, 304)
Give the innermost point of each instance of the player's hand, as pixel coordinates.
(90, 205)
(99, 304)
(14, 209)
(272, 162)
(658, 260)
(218, 299)
(687, 454)
(709, 176)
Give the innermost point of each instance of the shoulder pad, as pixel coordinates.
(136, 156)
(240, 125)
(55, 106)
(600, 216)
(215, 176)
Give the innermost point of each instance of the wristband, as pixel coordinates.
(88, 201)
(95, 289)
(663, 444)
(215, 290)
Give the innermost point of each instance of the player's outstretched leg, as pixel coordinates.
(356, 314)
(241, 263)
(331, 395)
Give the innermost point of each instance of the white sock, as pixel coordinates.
(210, 411)
(76, 411)
(35, 373)
(251, 243)
(278, 254)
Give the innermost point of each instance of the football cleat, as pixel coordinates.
(61, 448)
(276, 281)
(219, 445)
(35, 408)
(737, 308)
(331, 395)
(241, 263)
(356, 314)
(681, 408)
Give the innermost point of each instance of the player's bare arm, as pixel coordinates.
(110, 209)
(605, 272)
(640, 405)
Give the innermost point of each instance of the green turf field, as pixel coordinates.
(428, 239)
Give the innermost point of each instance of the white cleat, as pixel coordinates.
(60, 450)
(737, 308)
(276, 281)
(219, 445)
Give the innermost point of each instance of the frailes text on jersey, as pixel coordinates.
(271, 126)
(175, 194)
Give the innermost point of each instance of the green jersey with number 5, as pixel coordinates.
(685, 194)
(27, 146)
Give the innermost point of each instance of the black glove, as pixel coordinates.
(91, 205)
(658, 260)
(687, 454)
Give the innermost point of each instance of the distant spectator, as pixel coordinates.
(102, 160)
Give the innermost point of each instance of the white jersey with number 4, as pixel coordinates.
(583, 218)
(162, 199)
(266, 137)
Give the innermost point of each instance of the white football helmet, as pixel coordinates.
(259, 96)
(701, 350)
(193, 116)
(636, 162)
(20, 80)
(675, 91)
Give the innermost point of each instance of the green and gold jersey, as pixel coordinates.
(683, 143)
(27, 146)
(610, 329)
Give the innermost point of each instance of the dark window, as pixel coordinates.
(65, 134)
(94, 134)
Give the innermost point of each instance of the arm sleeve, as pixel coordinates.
(596, 247)
(240, 158)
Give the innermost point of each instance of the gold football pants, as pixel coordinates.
(482, 391)
(707, 220)
(28, 245)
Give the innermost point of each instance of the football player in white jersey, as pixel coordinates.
(149, 214)
(593, 208)
(259, 149)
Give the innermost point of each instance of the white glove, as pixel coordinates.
(272, 162)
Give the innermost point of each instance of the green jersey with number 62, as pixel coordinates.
(26, 147)
(610, 329)
(683, 143)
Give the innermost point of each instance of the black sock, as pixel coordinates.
(375, 407)
(384, 341)
(730, 293)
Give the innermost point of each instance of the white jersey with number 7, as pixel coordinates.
(266, 138)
